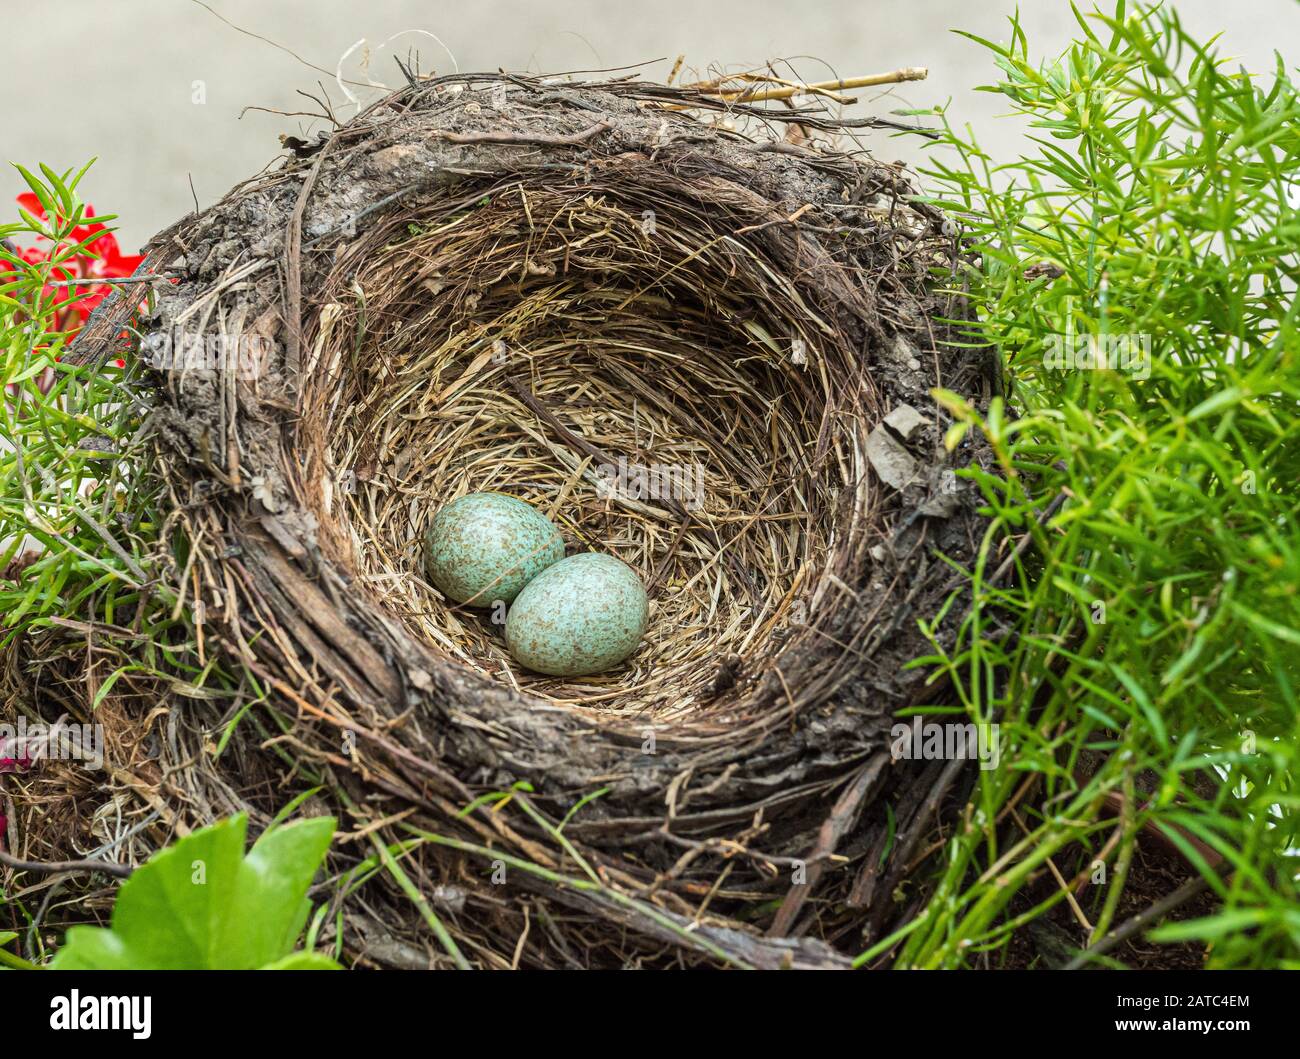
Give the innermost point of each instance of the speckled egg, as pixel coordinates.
(583, 615)
(487, 546)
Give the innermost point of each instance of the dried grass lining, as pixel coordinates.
(523, 339)
(464, 292)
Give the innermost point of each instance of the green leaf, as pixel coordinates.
(168, 914)
(272, 890)
(304, 961)
(1209, 928)
(1224, 399)
(203, 904)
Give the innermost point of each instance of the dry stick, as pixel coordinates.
(512, 139)
(917, 828)
(1044, 517)
(293, 272)
(581, 444)
(833, 829)
(906, 73)
(1060, 879)
(1016, 798)
(280, 47)
(862, 892)
(1129, 927)
(656, 581)
(53, 867)
(352, 221)
(117, 280)
(398, 753)
(418, 899)
(723, 846)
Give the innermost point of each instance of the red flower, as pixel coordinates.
(15, 764)
(21, 763)
(100, 258)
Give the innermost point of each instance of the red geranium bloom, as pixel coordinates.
(21, 763)
(100, 258)
(15, 764)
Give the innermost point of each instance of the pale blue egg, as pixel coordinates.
(583, 615)
(486, 546)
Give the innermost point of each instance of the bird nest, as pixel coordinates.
(703, 342)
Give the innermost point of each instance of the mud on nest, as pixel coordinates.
(503, 283)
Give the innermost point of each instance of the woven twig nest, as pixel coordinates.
(488, 283)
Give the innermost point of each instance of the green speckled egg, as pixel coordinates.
(487, 546)
(583, 615)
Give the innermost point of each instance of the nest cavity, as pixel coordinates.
(611, 351)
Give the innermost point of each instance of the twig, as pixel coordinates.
(274, 44)
(1129, 927)
(93, 281)
(907, 837)
(417, 898)
(1060, 879)
(525, 140)
(1044, 517)
(351, 221)
(906, 73)
(833, 829)
(293, 273)
(54, 867)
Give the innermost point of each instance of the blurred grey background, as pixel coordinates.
(155, 88)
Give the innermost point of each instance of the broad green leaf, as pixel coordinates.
(168, 914)
(271, 894)
(203, 904)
